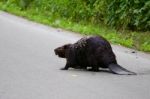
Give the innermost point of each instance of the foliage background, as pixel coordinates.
(120, 14)
(125, 22)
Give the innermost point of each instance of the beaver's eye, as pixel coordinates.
(66, 46)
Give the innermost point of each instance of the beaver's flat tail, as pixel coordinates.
(117, 69)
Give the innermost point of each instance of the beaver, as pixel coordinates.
(94, 51)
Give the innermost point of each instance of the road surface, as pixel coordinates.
(29, 68)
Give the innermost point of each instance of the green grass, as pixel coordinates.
(136, 40)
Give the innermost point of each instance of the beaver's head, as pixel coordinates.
(61, 51)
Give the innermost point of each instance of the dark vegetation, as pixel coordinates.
(129, 18)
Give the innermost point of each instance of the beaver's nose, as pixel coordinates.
(55, 50)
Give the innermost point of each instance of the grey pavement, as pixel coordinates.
(29, 68)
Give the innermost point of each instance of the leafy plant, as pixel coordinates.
(129, 14)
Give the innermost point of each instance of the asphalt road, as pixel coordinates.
(29, 68)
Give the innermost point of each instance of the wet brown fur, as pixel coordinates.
(94, 51)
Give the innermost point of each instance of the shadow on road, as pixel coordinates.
(146, 72)
(104, 71)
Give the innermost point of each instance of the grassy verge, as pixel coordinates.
(136, 40)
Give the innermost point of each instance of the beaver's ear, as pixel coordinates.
(67, 46)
